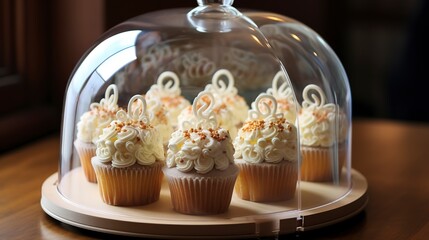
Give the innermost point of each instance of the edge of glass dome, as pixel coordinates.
(91, 61)
(332, 75)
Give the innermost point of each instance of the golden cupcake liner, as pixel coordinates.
(266, 182)
(316, 165)
(202, 195)
(130, 186)
(86, 151)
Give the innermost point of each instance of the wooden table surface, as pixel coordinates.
(393, 156)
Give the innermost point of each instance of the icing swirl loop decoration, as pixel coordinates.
(204, 114)
(130, 139)
(282, 92)
(261, 108)
(266, 136)
(110, 100)
(202, 146)
(202, 109)
(228, 95)
(136, 111)
(167, 85)
(220, 87)
(317, 119)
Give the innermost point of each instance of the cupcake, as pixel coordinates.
(283, 94)
(129, 158)
(227, 93)
(168, 91)
(200, 170)
(323, 131)
(266, 153)
(90, 127)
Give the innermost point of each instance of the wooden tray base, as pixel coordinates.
(79, 204)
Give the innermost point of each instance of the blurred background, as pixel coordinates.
(381, 44)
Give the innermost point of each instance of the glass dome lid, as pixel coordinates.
(205, 90)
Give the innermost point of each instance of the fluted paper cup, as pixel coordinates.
(86, 151)
(130, 186)
(201, 194)
(266, 182)
(317, 162)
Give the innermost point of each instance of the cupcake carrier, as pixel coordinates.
(257, 52)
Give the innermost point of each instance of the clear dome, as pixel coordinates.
(239, 57)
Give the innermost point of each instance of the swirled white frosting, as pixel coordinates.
(317, 120)
(91, 123)
(284, 95)
(168, 91)
(266, 136)
(200, 144)
(227, 93)
(200, 149)
(130, 139)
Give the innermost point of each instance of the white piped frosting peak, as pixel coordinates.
(200, 144)
(282, 92)
(130, 139)
(266, 136)
(317, 119)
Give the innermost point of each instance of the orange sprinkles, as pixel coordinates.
(140, 124)
(320, 115)
(101, 112)
(172, 101)
(253, 125)
(260, 124)
(214, 133)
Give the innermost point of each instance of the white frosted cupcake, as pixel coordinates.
(90, 127)
(320, 133)
(284, 96)
(200, 168)
(129, 158)
(167, 89)
(266, 153)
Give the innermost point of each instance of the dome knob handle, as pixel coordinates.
(210, 2)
